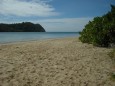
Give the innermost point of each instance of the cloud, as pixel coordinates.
(65, 20)
(64, 24)
(25, 8)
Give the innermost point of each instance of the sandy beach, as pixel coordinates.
(55, 62)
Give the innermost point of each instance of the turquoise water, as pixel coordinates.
(6, 37)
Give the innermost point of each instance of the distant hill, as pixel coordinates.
(21, 27)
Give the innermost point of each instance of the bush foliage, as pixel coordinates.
(100, 31)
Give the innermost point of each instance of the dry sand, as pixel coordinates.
(55, 62)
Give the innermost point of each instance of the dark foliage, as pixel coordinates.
(21, 27)
(100, 31)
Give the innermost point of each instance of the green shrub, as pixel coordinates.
(100, 31)
(112, 76)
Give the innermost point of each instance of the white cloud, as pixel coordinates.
(64, 24)
(65, 20)
(26, 8)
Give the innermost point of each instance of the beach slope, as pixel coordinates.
(54, 62)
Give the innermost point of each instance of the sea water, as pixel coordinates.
(7, 37)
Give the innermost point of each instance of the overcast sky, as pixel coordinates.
(54, 15)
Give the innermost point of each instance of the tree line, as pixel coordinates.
(21, 27)
(100, 31)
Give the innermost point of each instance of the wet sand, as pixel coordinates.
(54, 62)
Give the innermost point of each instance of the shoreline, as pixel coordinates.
(46, 39)
(12, 38)
(55, 62)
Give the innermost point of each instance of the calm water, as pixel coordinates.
(6, 37)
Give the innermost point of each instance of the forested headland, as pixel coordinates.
(21, 27)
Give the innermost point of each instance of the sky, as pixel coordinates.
(54, 15)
